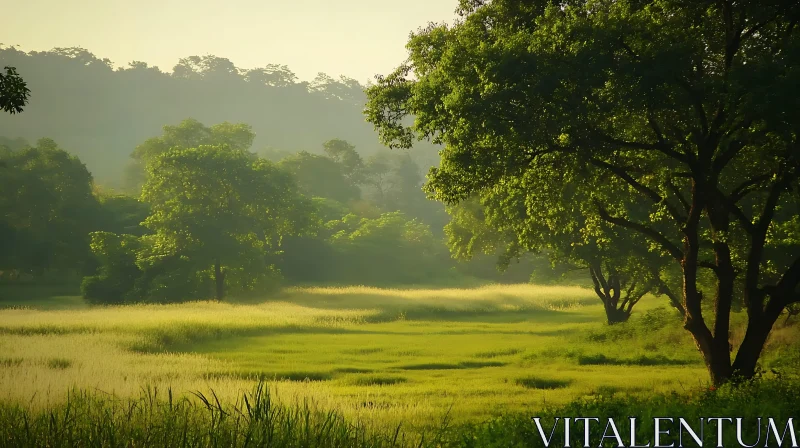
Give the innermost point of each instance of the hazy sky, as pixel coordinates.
(356, 38)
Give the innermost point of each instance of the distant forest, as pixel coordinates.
(92, 136)
(101, 114)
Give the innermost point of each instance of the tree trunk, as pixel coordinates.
(674, 300)
(758, 330)
(608, 290)
(616, 315)
(219, 280)
(750, 350)
(791, 312)
(693, 297)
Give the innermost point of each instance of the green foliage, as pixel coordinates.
(215, 217)
(120, 213)
(47, 209)
(189, 133)
(385, 250)
(393, 182)
(345, 154)
(217, 205)
(120, 108)
(528, 216)
(118, 272)
(12, 144)
(329, 209)
(388, 250)
(14, 91)
(320, 176)
(611, 113)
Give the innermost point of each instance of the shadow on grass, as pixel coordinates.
(10, 362)
(298, 376)
(42, 297)
(377, 380)
(186, 340)
(445, 366)
(498, 307)
(532, 382)
(497, 353)
(352, 370)
(644, 360)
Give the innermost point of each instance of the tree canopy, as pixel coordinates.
(47, 208)
(189, 133)
(320, 176)
(218, 207)
(678, 106)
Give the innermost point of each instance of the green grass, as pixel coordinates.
(379, 357)
(158, 419)
(155, 420)
(769, 398)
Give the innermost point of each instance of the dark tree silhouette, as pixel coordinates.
(14, 91)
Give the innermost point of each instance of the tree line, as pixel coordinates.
(210, 217)
(101, 112)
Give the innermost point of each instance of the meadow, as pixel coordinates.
(416, 358)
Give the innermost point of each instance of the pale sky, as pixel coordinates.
(355, 38)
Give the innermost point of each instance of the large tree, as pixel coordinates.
(524, 215)
(345, 154)
(221, 210)
(47, 209)
(689, 106)
(189, 133)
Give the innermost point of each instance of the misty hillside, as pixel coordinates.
(101, 113)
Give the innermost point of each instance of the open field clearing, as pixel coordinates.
(379, 356)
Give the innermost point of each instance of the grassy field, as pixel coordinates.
(378, 356)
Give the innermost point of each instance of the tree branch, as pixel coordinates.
(629, 50)
(757, 27)
(653, 234)
(708, 265)
(746, 187)
(678, 194)
(661, 147)
(697, 103)
(651, 120)
(789, 281)
(650, 193)
(722, 160)
(731, 206)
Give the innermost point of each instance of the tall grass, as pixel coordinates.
(155, 420)
(158, 419)
(775, 398)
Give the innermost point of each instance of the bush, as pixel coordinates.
(117, 273)
(98, 289)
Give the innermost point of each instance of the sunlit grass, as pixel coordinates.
(379, 356)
